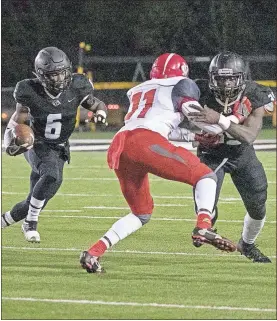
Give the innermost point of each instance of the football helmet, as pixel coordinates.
(53, 69)
(169, 65)
(227, 75)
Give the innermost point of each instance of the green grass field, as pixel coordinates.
(154, 274)
(266, 133)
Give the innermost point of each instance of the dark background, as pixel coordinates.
(134, 28)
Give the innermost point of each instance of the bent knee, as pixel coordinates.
(144, 218)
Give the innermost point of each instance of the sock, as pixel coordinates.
(204, 220)
(251, 229)
(204, 194)
(120, 230)
(6, 219)
(34, 209)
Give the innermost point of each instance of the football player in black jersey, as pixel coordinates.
(237, 105)
(50, 102)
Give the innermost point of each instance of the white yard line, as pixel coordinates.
(139, 304)
(51, 249)
(222, 199)
(118, 217)
(96, 179)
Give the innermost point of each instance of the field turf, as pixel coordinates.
(154, 274)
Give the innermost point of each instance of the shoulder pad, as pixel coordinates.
(187, 88)
(81, 81)
(259, 95)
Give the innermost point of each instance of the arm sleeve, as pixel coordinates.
(186, 89)
(84, 87)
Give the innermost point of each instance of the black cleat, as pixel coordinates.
(252, 252)
(90, 263)
(209, 236)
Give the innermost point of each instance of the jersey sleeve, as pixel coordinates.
(185, 90)
(83, 85)
(22, 94)
(259, 95)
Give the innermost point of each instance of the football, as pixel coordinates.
(24, 135)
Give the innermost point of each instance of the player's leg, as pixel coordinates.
(251, 182)
(20, 210)
(50, 169)
(220, 173)
(218, 166)
(134, 185)
(163, 159)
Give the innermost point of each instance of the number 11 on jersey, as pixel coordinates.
(141, 101)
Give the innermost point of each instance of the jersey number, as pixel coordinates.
(138, 100)
(53, 126)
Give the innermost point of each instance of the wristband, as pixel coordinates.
(234, 119)
(224, 122)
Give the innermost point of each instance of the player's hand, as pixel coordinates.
(100, 117)
(242, 109)
(13, 149)
(207, 140)
(205, 114)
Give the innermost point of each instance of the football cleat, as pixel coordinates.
(252, 252)
(214, 219)
(209, 236)
(90, 263)
(29, 228)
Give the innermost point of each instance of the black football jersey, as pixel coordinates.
(53, 118)
(257, 94)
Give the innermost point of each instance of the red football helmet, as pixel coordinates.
(169, 65)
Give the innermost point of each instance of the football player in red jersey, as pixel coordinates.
(238, 105)
(142, 147)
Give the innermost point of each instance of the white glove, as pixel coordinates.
(181, 134)
(100, 117)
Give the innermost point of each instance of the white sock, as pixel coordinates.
(205, 190)
(34, 209)
(121, 229)
(6, 220)
(251, 229)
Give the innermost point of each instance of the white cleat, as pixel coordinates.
(30, 232)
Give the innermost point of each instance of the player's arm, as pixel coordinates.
(97, 106)
(246, 132)
(20, 116)
(185, 95)
(87, 99)
(250, 129)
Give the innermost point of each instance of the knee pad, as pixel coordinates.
(144, 218)
(211, 175)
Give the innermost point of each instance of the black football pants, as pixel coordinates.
(45, 179)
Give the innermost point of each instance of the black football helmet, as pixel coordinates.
(53, 69)
(227, 75)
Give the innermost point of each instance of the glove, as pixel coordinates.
(13, 149)
(207, 140)
(242, 109)
(181, 134)
(100, 117)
